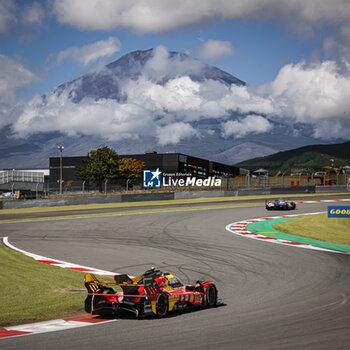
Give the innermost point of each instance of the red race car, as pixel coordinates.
(152, 293)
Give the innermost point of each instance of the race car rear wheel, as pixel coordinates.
(101, 306)
(211, 296)
(162, 305)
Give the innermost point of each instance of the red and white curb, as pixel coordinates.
(60, 324)
(52, 326)
(323, 201)
(239, 228)
(60, 263)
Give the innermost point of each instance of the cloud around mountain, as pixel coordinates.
(162, 99)
(87, 54)
(13, 76)
(213, 50)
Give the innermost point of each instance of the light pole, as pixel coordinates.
(13, 180)
(106, 187)
(127, 185)
(61, 148)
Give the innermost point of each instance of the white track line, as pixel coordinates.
(60, 263)
(52, 326)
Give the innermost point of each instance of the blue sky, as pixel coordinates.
(294, 55)
(259, 48)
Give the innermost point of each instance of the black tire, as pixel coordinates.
(162, 305)
(87, 304)
(211, 296)
(101, 306)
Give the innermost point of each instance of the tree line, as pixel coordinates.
(105, 164)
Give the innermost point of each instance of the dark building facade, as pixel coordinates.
(70, 167)
(171, 164)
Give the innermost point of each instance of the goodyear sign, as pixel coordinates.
(339, 211)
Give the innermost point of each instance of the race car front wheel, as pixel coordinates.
(211, 296)
(162, 305)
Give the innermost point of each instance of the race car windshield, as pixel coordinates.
(174, 282)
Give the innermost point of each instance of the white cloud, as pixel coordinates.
(166, 103)
(162, 65)
(174, 133)
(244, 99)
(305, 18)
(213, 50)
(176, 96)
(32, 14)
(13, 76)
(7, 15)
(105, 118)
(89, 53)
(13, 16)
(163, 15)
(316, 94)
(251, 124)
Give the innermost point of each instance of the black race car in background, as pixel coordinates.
(279, 204)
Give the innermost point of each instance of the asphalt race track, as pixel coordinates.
(277, 297)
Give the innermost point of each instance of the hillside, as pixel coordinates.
(307, 157)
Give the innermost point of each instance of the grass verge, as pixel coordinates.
(318, 227)
(29, 290)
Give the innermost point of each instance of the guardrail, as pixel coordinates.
(118, 198)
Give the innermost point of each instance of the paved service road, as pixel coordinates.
(276, 297)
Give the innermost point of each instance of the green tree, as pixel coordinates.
(131, 169)
(100, 165)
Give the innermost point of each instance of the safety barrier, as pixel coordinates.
(167, 196)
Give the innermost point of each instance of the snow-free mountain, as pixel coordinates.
(147, 101)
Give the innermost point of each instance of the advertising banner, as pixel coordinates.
(338, 211)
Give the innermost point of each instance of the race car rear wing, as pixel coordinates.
(92, 283)
(123, 278)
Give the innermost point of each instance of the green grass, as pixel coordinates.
(29, 290)
(318, 227)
